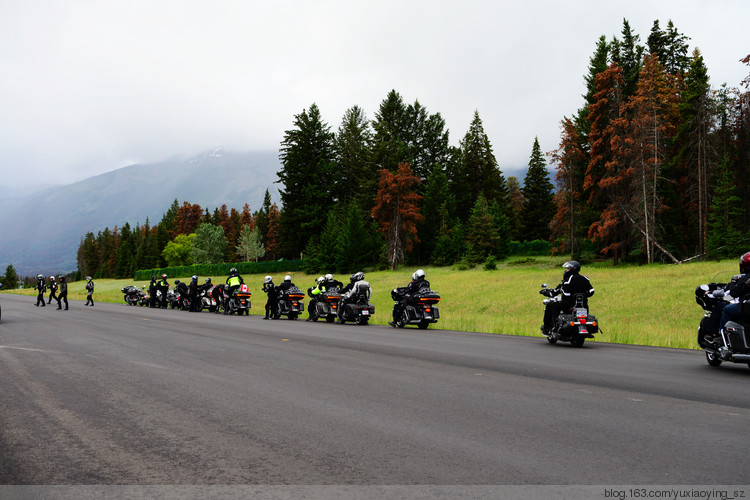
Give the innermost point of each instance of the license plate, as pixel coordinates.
(365, 312)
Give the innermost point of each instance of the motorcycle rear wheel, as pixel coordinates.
(423, 324)
(712, 357)
(578, 341)
(362, 320)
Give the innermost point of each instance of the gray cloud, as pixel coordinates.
(88, 86)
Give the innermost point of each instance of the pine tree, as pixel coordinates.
(483, 237)
(726, 236)
(10, 280)
(537, 189)
(628, 55)
(272, 234)
(125, 253)
(307, 158)
(437, 197)
(389, 144)
(356, 171)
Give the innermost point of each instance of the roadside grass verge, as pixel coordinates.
(644, 305)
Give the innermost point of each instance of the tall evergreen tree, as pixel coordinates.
(125, 253)
(307, 159)
(515, 195)
(726, 236)
(389, 142)
(357, 178)
(628, 54)
(537, 190)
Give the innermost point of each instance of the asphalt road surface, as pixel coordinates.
(127, 395)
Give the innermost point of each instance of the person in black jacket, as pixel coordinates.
(739, 288)
(90, 291)
(163, 287)
(418, 281)
(573, 284)
(181, 288)
(63, 294)
(41, 287)
(272, 300)
(52, 290)
(152, 292)
(193, 294)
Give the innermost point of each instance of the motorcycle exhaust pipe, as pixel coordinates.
(741, 358)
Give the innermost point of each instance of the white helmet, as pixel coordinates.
(329, 276)
(417, 274)
(320, 280)
(267, 279)
(287, 278)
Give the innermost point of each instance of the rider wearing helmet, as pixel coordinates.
(313, 292)
(233, 284)
(347, 294)
(286, 285)
(89, 290)
(573, 284)
(738, 288)
(417, 282)
(152, 292)
(63, 297)
(41, 287)
(163, 287)
(193, 293)
(270, 290)
(52, 290)
(332, 283)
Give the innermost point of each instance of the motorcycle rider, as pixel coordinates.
(418, 281)
(193, 293)
(738, 288)
(272, 300)
(90, 290)
(163, 286)
(234, 280)
(152, 292)
(41, 287)
(332, 283)
(313, 292)
(63, 297)
(53, 289)
(573, 283)
(349, 292)
(217, 293)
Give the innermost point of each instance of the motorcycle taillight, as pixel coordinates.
(582, 320)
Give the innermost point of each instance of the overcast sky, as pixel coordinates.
(87, 86)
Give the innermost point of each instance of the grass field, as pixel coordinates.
(644, 305)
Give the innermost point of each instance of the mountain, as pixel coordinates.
(41, 232)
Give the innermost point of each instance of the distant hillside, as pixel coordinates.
(41, 233)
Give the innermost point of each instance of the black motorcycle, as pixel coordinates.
(290, 303)
(356, 307)
(421, 308)
(326, 305)
(575, 326)
(174, 298)
(131, 294)
(143, 297)
(239, 302)
(731, 343)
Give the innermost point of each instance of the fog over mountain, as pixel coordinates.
(41, 231)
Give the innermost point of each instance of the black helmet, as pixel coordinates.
(572, 266)
(233, 270)
(153, 277)
(745, 263)
(176, 282)
(208, 281)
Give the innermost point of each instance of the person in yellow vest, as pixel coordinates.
(233, 284)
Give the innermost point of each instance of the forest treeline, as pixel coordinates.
(652, 167)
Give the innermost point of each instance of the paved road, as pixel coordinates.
(125, 395)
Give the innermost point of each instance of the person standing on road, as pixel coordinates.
(63, 294)
(163, 287)
(53, 290)
(90, 290)
(41, 287)
(272, 300)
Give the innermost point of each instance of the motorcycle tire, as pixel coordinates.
(330, 318)
(712, 357)
(552, 340)
(401, 322)
(423, 324)
(292, 316)
(578, 341)
(362, 320)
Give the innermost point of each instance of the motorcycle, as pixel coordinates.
(174, 298)
(356, 307)
(575, 326)
(143, 297)
(731, 343)
(131, 295)
(326, 305)
(207, 300)
(239, 302)
(420, 310)
(290, 303)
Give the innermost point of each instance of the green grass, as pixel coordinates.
(644, 305)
